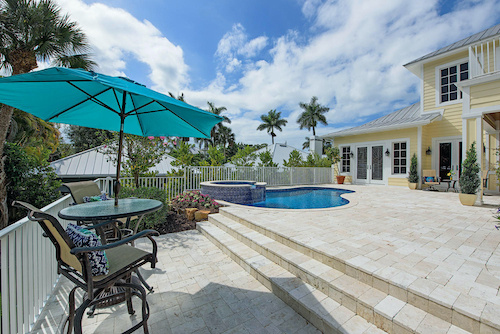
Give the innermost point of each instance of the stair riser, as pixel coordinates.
(365, 311)
(296, 305)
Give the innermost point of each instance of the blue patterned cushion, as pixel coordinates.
(429, 179)
(98, 198)
(82, 237)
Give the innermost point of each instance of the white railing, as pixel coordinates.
(194, 175)
(484, 58)
(173, 185)
(28, 270)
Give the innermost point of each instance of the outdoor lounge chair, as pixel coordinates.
(73, 262)
(430, 178)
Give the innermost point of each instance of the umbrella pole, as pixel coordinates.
(120, 147)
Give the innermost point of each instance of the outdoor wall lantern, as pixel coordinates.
(428, 152)
(387, 153)
(351, 155)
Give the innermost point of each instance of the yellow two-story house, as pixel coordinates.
(459, 104)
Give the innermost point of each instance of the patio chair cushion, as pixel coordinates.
(121, 257)
(82, 237)
(102, 197)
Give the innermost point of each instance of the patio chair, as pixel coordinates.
(430, 178)
(116, 286)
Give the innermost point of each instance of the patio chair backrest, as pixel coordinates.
(56, 234)
(81, 189)
(429, 172)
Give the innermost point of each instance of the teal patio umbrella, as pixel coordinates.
(79, 97)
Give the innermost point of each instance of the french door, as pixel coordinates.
(449, 158)
(370, 164)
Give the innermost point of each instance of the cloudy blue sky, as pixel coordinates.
(255, 55)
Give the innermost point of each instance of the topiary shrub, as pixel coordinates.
(469, 178)
(413, 175)
(154, 218)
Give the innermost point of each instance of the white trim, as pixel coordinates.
(390, 127)
(350, 159)
(437, 78)
(408, 157)
(479, 152)
(435, 149)
(464, 137)
(484, 110)
(485, 78)
(466, 100)
(421, 89)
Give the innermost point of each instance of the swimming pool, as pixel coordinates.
(303, 198)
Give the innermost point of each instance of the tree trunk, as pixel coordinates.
(5, 116)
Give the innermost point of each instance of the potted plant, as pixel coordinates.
(413, 175)
(334, 154)
(469, 178)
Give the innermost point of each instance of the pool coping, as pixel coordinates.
(348, 196)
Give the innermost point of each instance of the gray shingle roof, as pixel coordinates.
(485, 34)
(93, 164)
(403, 118)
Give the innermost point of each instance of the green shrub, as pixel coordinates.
(153, 218)
(469, 178)
(413, 175)
(29, 180)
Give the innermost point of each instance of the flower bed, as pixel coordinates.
(194, 199)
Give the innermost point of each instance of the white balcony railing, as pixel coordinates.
(484, 58)
(28, 271)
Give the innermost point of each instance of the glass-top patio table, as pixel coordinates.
(102, 211)
(106, 210)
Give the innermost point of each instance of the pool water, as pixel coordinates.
(304, 198)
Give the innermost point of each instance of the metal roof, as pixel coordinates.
(93, 164)
(485, 34)
(403, 118)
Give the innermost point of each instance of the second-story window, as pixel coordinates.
(449, 76)
(346, 159)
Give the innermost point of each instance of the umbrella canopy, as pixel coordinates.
(79, 97)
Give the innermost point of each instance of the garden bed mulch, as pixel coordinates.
(175, 223)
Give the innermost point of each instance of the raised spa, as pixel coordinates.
(238, 191)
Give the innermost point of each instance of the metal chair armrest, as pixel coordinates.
(145, 233)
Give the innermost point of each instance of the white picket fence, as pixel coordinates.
(28, 266)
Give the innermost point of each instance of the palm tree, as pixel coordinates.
(224, 136)
(305, 144)
(29, 31)
(213, 133)
(271, 121)
(313, 113)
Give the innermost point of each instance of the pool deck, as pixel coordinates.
(420, 241)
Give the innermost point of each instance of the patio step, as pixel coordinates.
(440, 301)
(323, 312)
(374, 306)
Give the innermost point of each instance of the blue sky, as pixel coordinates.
(254, 56)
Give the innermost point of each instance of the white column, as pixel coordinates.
(316, 145)
(419, 156)
(479, 151)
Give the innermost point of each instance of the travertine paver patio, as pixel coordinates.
(198, 289)
(401, 235)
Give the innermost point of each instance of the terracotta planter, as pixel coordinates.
(467, 199)
(340, 179)
(412, 186)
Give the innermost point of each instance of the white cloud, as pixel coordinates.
(115, 35)
(235, 43)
